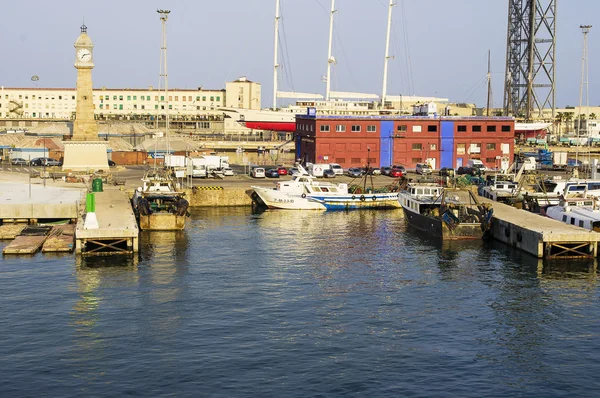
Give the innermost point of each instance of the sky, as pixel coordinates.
(440, 47)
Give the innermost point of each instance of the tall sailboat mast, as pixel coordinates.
(387, 53)
(275, 58)
(164, 15)
(489, 81)
(330, 59)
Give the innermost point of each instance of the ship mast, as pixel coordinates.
(275, 60)
(387, 53)
(330, 59)
(489, 88)
(164, 15)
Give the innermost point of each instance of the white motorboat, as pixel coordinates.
(579, 210)
(305, 192)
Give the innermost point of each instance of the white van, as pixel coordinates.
(257, 172)
(476, 163)
(317, 169)
(337, 169)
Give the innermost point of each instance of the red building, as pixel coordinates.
(354, 141)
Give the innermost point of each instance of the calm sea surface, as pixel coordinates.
(291, 304)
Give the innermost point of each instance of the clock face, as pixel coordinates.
(84, 55)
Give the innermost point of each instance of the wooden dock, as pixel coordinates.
(541, 236)
(117, 231)
(60, 239)
(11, 231)
(28, 242)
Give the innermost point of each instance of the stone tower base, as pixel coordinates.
(85, 156)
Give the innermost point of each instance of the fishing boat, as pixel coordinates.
(500, 188)
(444, 212)
(305, 192)
(579, 210)
(158, 205)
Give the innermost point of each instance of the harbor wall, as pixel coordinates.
(218, 196)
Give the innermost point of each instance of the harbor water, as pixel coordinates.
(299, 304)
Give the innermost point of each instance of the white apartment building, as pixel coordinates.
(60, 103)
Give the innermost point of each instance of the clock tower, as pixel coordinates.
(85, 127)
(85, 152)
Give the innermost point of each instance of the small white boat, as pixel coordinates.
(500, 188)
(580, 210)
(445, 213)
(304, 192)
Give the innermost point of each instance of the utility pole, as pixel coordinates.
(585, 29)
(164, 15)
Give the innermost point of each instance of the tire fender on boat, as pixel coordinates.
(353, 197)
(374, 198)
(303, 195)
(362, 198)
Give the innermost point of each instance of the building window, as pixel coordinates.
(417, 147)
(170, 98)
(506, 129)
(491, 147)
(490, 160)
(417, 129)
(461, 149)
(432, 128)
(355, 161)
(198, 98)
(433, 147)
(355, 128)
(218, 98)
(129, 98)
(371, 128)
(324, 128)
(491, 128)
(417, 160)
(340, 128)
(204, 98)
(135, 97)
(121, 106)
(476, 128)
(114, 106)
(101, 105)
(162, 97)
(176, 98)
(212, 98)
(401, 128)
(114, 97)
(120, 98)
(106, 97)
(461, 128)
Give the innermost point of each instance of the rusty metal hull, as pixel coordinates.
(162, 222)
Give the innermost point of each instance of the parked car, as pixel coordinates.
(446, 172)
(257, 172)
(329, 173)
(337, 169)
(385, 170)
(282, 171)
(396, 173)
(472, 171)
(18, 161)
(372, 171)
(293, 171)
(272, 173)
(228, 171)
(355, 172)
(423, 169)
(45, 162)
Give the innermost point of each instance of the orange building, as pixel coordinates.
(354, 141)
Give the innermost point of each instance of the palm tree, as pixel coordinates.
(558, 119)
(569, 119)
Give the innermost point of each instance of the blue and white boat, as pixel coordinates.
(304, 192)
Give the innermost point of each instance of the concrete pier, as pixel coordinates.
(118, 230)
(541, 236)
(37, 202)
